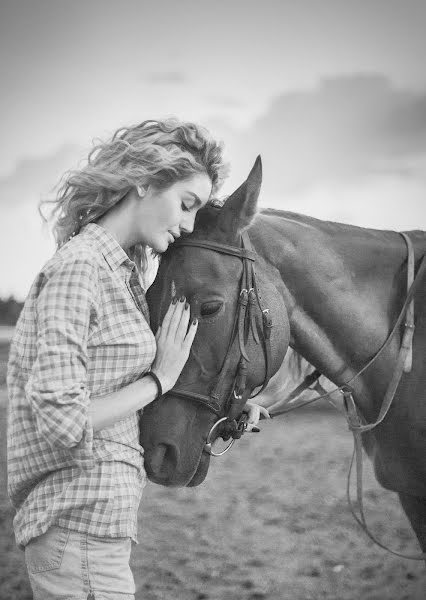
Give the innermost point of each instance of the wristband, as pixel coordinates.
(157, 382)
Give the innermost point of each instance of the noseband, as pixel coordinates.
(246, 322)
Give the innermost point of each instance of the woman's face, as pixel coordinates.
(163, 215)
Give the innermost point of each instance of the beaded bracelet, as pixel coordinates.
(158, 383)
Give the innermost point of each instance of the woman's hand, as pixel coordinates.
(174, 341)
(254, 412)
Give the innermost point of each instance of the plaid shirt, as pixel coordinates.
(83, 332)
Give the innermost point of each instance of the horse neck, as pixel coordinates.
(343, 288)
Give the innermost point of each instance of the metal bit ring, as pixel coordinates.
(208, 445)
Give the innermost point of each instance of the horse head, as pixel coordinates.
(241, 341)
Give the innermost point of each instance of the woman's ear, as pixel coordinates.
(240, 208)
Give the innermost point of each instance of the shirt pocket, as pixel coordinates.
(45, 552)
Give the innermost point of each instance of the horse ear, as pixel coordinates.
(240, 208)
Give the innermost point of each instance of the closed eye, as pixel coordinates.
(208, 309)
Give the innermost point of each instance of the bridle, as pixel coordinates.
(246, 322)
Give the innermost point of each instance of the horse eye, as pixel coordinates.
(209, 309)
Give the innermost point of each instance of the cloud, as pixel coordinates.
(348, 126)
(352, 149)
(380, 201)
(226, 101)
(166, 77)
(33, 177)
(25, 244)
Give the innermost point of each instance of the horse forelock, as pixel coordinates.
(207, 226)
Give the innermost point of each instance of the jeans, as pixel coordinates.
(68, 565)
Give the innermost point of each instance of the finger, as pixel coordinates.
(182, 328)
(176, 317)
(190, 335)
(169, 314)
(253, 429)
(248, 407)
(254, 415)
(264, 412)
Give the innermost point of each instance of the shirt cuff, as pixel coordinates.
(82, 453)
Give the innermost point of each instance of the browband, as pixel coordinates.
(223, 248)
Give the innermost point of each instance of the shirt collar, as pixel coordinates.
(113, 253)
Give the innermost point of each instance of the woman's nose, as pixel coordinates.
(187, 224)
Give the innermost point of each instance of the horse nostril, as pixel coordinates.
(156, 457)
(163, 459)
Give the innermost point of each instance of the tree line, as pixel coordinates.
(10, 309)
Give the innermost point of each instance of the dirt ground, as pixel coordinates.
(270, 522)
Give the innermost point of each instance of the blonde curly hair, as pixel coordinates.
(154, 152)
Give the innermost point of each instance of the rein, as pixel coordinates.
(355, 422)
(246, 323)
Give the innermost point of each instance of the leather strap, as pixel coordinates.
(217, 247)
(206, 400)
(409, 319)
(408, 326)
(309, 380)
(357, 458)
(405, 351)
(266, 320)
(355, 424)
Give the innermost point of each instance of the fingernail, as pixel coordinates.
(194, 321)
(186, 305)
(174, 301)
(182, 299)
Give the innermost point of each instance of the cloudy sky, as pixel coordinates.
(331, 93)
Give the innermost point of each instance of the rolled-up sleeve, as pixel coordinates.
(57, 388)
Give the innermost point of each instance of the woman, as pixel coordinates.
(84, 360)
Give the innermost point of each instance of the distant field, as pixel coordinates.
(5, 337)
(270, 523)
(4, 351)
(6, 333)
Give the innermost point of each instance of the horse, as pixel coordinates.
(333, 292)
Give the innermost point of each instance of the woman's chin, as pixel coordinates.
(163, 246)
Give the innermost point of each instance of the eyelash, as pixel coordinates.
(184, 207)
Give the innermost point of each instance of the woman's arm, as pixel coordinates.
(106, 410)
(56, 389)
